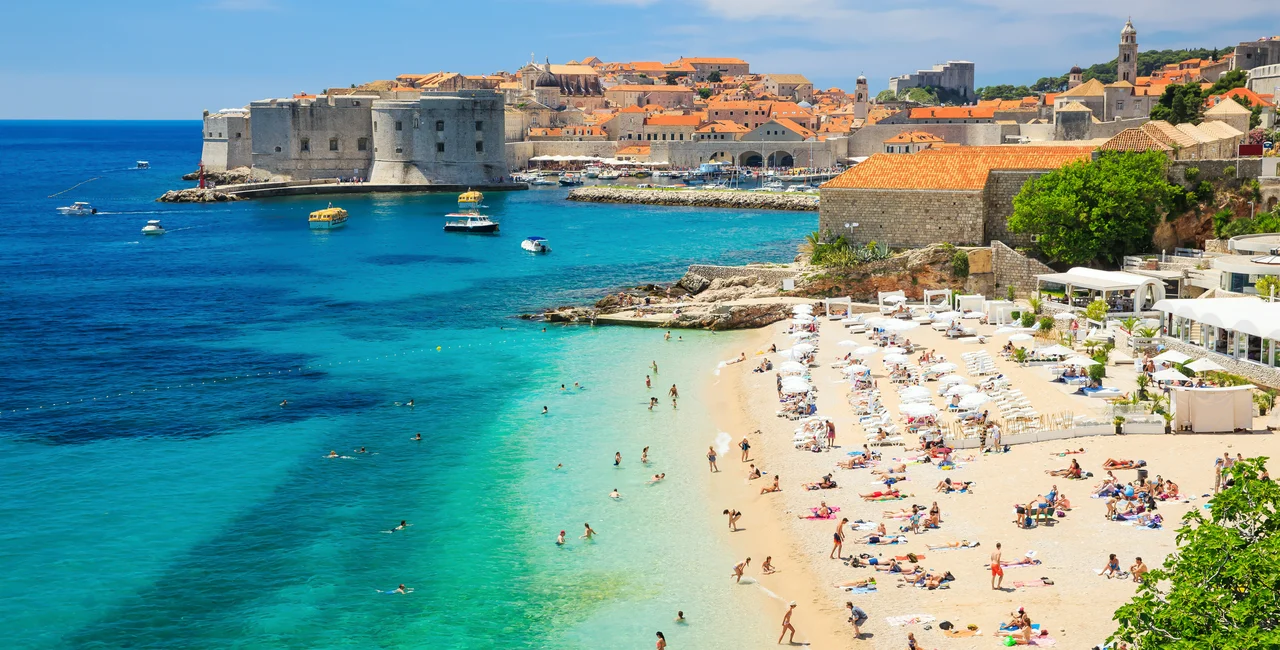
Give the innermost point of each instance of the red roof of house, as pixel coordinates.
(952, 168)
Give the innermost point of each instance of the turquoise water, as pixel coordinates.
(162, 498)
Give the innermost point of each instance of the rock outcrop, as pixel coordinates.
(228, 177)
(197, 195)
(697, 198)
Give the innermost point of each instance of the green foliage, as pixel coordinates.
(1098, 371)
(1148, 332)
(1036, 303)
(1004, 91)
(1098, 210)
(1204, 191)
(1046, 323)
(1264, 222)
(1265, 399)
(1221, 588)
(1231, 80)
(1150, 60)
(1009, 293)
(714, 76)
(920, 96)
(885, 96)
(1266, 284)
(1128, 323)
(704, 93)
(1050, 84)
(960, 264)
(1221, 219)
(1020, 355)
(671, 78)
(827, 250)
(1028, 319)
(1191, 174)
(1179, 103)
(1229, 171)
(1097, 310)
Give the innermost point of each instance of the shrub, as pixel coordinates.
(1046, 323)
(1229, 171)
(1009, 294)
(1191, 174)
(1266, 284)
(1221, 219)
(1097, 310)
(1204, 191)
(1028, 319)
(1036, 303)
(960, 264)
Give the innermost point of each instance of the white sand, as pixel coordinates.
(1076, 610)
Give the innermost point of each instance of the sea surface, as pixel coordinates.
(157, 495)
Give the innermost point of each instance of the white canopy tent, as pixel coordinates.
(838, 307)
(972, 302)
(1247, 329)
(1124, 293)
(1213, 410)
(999, 312)
(931, 297)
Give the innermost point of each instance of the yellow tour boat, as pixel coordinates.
(328, 218)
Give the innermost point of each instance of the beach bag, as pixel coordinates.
(912, 557)
(945, 625)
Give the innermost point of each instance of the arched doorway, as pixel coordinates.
(721, 156)
(781, 159)
(751, 159)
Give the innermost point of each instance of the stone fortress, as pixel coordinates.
(390, 137)
(954, 76)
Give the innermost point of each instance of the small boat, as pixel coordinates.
(541, 181)
(470, 222)
(610, 175)
(592, 172)
(643, 173)
(79, 208)
(328, 218)
(470, 197)
(142, 164)
(153, 227)
(535, 245)
(570, 179)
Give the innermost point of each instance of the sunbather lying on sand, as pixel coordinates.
(1069, 452)
(1071, 471)
(866, 582)
(930, 579)
(962, 544)
(1022, 561)
(876, 540)
(900, 468)
(854, 462)
(879, 495)
(947, 485)
(1123, 464)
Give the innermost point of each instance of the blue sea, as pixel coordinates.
(158, 496)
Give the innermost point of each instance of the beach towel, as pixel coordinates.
(961, 634)
(909, 619)
(907, 558)
(1005, 629)
(897, 498)
(861, 590)
(953, 548)
(1014, 565)
(815, 514)
(1031, 583)
(866, 525)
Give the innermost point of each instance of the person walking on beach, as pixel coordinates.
(831, 434)
(711, 459)
(856, 616)
(745, 446)
(589, 534)
(786, 625)
(734, 516)
(648, 383)
(837, 549)
(997, 571)
(1217, 475)
(673, 393)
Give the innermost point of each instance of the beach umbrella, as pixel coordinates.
(1080, 361)
(803, 348)
(974, 400)
(943, 368)
(1018, 338)
(791, 368)
(893, 349)
(900, 325)
(961, 389)
(856, 369)
(802, 309)
(1064, 315)
(848, 343)
(794, 385)
(1055, 351)
(947, 315)
(914, 393)
(1204, 365)
(893, 300)
(866, 351)
(802, 320)
(947, 380)
(1169, 374)
(895, 359)
(918, 410)
(876, 321)
(1172, 356)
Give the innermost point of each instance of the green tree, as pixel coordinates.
(1098, 210)
(704, 93)
(1221, 588)
(885, 96)
(714, 76)
(1097, 310)
(960, 264)
(1231, 80)
(1266, 284)
(671, 78)
(1179, 103)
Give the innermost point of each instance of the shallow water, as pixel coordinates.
(162, 498)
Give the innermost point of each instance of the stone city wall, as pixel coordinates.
(1263, 376)
(1245, 169)
(903, 219)
(768, 275)
(1012, 268)
(1002, 186)
(870, 139)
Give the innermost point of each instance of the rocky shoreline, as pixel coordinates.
(697, 198)
(197, 195)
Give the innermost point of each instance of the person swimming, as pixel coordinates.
(614, 494)
(560, 539)
(577, 386)
(284, 402)
(559, 465)
(657, 477)
(333, 454)
(644, 455)
(417, 436)
(617, 458)
(544, 410)
(361, 451)
(409, 403)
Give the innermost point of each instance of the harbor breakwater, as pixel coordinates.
(697, 198)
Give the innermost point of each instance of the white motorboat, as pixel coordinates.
(153, 227)
(535, 245)
(610, 175)
(79, 208)
(142, 164)
(592, 172)
(543, 181)
(470, 222)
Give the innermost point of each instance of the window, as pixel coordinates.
(375, 127)
(1119, 105)
(219, 134)
(399, 126)
(333, 144)
(439, 147)
(479, 125)
(306, 144)
(362, 144)
(416, 123)
(237, 136)
(439, 125)
(211, 134)
(1126, 57)
(277, 149)
(399, 149)
(355, 102)
(479, 146)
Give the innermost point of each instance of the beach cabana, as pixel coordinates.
(838, 307)
(1124, 293)
(1244, 329)
(1213, 410)
(999, 312)
(972, 302)
(889, 300)
(937, 297)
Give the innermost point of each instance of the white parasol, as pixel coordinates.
(1204, 365)
(961, 389)
(946, 380)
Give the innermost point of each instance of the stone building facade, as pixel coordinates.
(227, 140)
(454, 138)
(955, 76)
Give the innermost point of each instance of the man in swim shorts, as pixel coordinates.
(997, 572)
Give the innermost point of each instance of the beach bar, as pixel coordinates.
(1124, 293)
(1243, 329)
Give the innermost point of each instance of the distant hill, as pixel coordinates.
(1104, 72)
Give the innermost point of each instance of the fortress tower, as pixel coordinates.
(860, 99)
(1127, 63)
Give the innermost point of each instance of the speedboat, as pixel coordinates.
(153, 227)
(570, 179)
(142, 164)
(79, 209)
(542, 181)
(535, 245)
(592, 172)
(328, 218)
(610, 175)
(470, 222)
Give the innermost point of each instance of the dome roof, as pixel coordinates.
(1128, 27)
(1075, 69)
(805, 105)
(546, 80)
(862, 79)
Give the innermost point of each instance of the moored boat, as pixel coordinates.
(328, 218)
(536, 245)
(153, 227)
(470, 222)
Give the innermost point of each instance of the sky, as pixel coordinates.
(146, 59)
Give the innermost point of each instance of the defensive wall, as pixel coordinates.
(1002, 186)
(446, 137)
(321, 138)
(870, 139)
(904, 218)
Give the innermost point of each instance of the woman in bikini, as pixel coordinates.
(773, 488)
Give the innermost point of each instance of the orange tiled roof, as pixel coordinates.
(1254, 98)
(952, 113)
(632, 109)
(1135, 140)
(722, 126)
(952, 168)
(645, 88)
(913, 137)
(711, 60)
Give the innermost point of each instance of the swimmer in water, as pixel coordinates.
(575, 385)
(617, 458)
(402, 590)
(559, 465)
(667, 336)
(589, 534)
(361, 451)
(403, 525)
(333, 454)
(648, 383)
(560, 539)
(680, 617)
(417, 436)
(644, 455)
(409, 403)
(284, 403)
(657, 477)
(654, 365)
(562, 387)
(614, 494)
(544, 410)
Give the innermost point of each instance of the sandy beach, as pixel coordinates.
(1075, 610)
